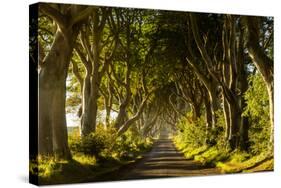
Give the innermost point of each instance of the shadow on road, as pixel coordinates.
(164, 161)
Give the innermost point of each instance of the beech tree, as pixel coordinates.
(53, 69)
(141, 71)
(96, 52)
(231, 69)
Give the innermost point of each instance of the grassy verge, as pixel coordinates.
(52, 171)
(239, 163)
(84, 168)
(228, 162)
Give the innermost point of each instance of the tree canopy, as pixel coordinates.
(207, 78)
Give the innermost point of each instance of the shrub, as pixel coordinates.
(94, 144)
(106, 146)
(192, 133)
(130, 144)
(257, 110)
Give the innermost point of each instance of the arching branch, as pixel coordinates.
(81, 15)
(55, 15)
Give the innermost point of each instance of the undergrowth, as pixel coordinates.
(98, 153)
(227, 161)
(191, 141)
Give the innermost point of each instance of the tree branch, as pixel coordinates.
(199, 42)
(127, 124)
(81, 15)
(75, 71)
(55, 15)
(87, 65)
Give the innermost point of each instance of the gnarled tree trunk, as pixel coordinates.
(52, 79)
(52, 94)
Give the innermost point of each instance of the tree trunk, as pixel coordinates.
(60, 141)
(195, 111)
(244, 134)
(89, 121)
(121, 117)
(214, 105)
(52, 93)
(271, 109)
(107, 116)
(208, 115)
(89, 114)
(226, 118)
(210, 85)
(244, 128)
(234, 123)
(45, 120)
(52, 78)
(129, 121)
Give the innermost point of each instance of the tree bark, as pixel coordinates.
(271, 109)
(124, 127)
(52, 93)
(89, 113)
(209, 82)
(235, 119)
(243, 87)
(230, 62)
(210, 85)
(208, 116)
(214, 105)
(196, 111)
(226, 118)
(91, 41)
(52, 78)
(244, 134)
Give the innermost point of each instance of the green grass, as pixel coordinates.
(240, 163)
(81, 169)
(85, 167)
(228, 162)
(268, 165)
(190, 153)
(85, 160)
(51, 171)
(211, 156)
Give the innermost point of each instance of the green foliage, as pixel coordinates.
(146, 51)
(219, 132)
(98, 153)
(46, 32)
(191, 139)
(257, 98)
(105, 145)
(243, 162)
(239, 157)
(257, 110)
(46, 166)
(94, 144)
(53, 171)
(212, 156)
(192, 133)
(190, 153)
(130, 144)
(84, 159)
